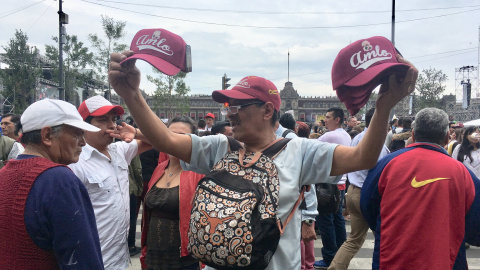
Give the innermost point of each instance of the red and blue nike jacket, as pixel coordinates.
(422, 205)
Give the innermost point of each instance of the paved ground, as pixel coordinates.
(362, 260)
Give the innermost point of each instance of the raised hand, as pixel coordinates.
(397, 88)
(124, 78)
(123, 132)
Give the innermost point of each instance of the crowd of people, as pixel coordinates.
(73, 180)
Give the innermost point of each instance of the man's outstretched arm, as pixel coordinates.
(125, 80)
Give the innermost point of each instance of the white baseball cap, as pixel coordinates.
(50, 113)
(98, 106)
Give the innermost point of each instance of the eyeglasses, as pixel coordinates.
(234, 109)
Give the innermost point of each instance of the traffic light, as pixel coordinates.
(225, 85)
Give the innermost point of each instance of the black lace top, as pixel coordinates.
(163, 238)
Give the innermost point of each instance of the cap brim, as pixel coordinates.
(82, 125)
(356, 92)
(354, 103)
(158, 63)
(223, 96)
(106, 109)
(376, 72)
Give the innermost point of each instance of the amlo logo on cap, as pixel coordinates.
(369, 57)
(243, 83)
(154, 43)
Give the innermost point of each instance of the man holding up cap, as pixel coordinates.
(252, 107)
(46, 217)
(103, 169)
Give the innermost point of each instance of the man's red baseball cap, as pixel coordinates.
(251, 87)
(211, 115)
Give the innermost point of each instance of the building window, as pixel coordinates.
(200, 115)
(162, 115)
(193, 115)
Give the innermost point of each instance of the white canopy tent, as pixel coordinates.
(472, 123)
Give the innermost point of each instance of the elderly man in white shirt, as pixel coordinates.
(103, 169)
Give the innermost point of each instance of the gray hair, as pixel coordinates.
(431, 125)
(35, 136)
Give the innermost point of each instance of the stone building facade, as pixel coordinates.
(308, 108)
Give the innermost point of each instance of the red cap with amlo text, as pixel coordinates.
(163, 49)
(365, 60)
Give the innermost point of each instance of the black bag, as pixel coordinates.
(328, 198)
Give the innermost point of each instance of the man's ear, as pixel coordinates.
(269, 111)
(340, 121)
(46, 135)
(413, 136)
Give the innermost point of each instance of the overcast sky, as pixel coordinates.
(242, 38)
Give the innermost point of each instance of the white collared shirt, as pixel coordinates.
(106, 181)
(358, 177)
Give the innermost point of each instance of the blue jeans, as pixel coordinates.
(332, 231)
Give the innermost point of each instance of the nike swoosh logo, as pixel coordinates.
(417, 184)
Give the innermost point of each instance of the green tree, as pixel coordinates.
(76, 59)
(171, 92)
(21, 77)
(430, 86)
(113, 30)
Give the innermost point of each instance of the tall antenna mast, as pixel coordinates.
(288, 78)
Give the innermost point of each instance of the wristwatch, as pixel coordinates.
(309, 222)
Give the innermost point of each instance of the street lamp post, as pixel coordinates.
(392, 112)
(62, 19)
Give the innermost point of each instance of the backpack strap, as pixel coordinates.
(281, 226)
(273, 150)
(286, 132)
(233, 144)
